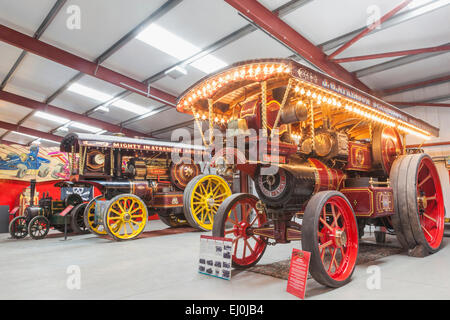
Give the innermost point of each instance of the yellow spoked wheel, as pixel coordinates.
(89, 218)
(125, 217)
(202, 197)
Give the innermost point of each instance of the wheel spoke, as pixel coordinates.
(333, 254)
(326, 244)
(424, 180)
(429, 234)
(326, 224)
(427, 216)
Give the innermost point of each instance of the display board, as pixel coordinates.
(24, 163)
(298, 273)
(215, 257)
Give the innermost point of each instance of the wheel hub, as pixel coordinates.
(340, 238)
(210, 201)
(422, 202)
(240, 230)
(126, 217)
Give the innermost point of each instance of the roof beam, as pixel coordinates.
(165, 8)
(57, 55)
(171, 128)
(32, 132)
(272, 24)
(47, 20)
(234, 36)
(10, 143)
(370, 28)
(393, 21)
(414, 85)
(393, 54)
(397, 63)
(40, 106)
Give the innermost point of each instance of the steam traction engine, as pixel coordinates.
(340, 163)
(136, 177)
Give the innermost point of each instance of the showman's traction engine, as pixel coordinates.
(316, 149)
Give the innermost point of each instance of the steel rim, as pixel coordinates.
(430, 203)
(38, 228)
(20, 227)
(79, 219)
(126, 217)
(97, 228)
(206, 197)
(337, 238)
(242, 217)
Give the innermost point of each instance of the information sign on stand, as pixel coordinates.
(215, 257)
(298, 273)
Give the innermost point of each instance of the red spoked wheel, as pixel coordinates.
(330, 233)
(419, 201)
(235, 219)
(425, 202)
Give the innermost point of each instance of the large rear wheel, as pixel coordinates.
(202, 197)
(236, 218)
(330, 233)
(420, 202)
(77, 219)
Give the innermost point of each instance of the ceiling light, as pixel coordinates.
(125, 105)
(46, 140)
(102, 109)
(209, 64)
(89, 92)
(85, 127)
(24, 134)
(179, 48)
(48, 116)
(167, 42)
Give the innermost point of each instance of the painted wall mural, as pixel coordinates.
(23, 163)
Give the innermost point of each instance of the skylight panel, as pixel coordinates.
(24, 134)
(85, 127)
(167, 42)
(89, 92)
(209, 64)
(48, 116)
(132, 107)
(179, 48)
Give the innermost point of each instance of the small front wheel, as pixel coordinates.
(125, 217)
(18, 227)
(236, 218)
(202, 197)
(89, 218)
(38, 227)
(330, 233)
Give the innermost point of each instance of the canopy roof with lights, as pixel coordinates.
(216, 96)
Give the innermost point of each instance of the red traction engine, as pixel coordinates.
(340, 163)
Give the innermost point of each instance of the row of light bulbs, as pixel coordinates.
(365, 111)
(217, 119)
(254, 72)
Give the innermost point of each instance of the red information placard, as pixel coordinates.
(298, 273)
(66, 211)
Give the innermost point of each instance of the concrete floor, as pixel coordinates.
(166, 268)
